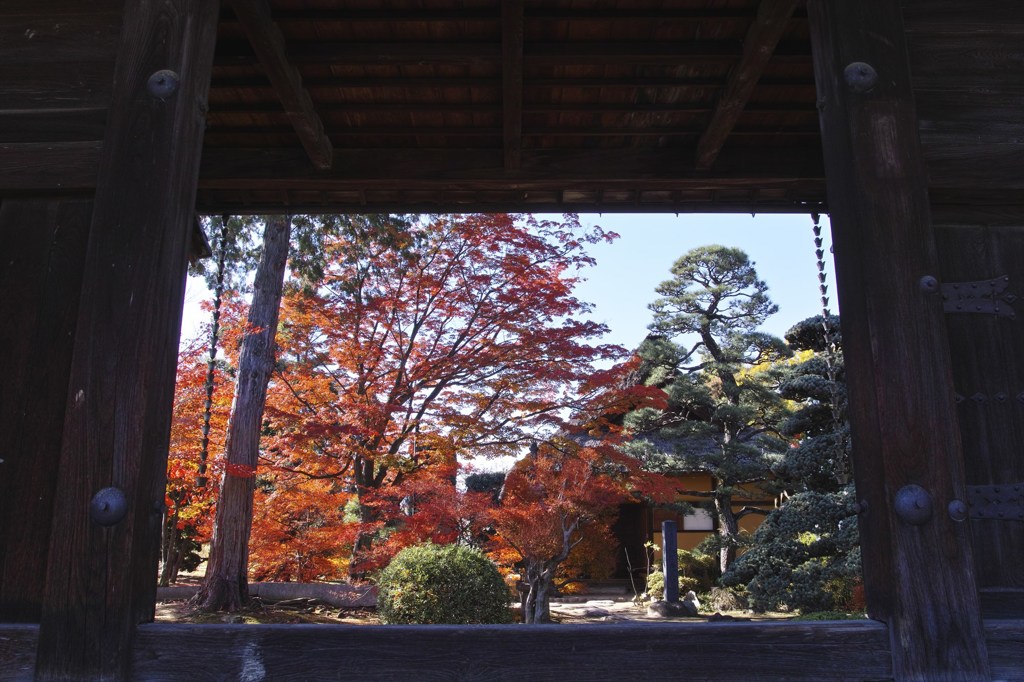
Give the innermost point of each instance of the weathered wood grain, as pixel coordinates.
(943, 15)
(99, 582)
(697, 651)
(35, 8)
(52, 125)
(40, 275)
(845, 650)
(987, 363)
(512, 36)
(963, 58)
(18, 651)
(268, 43)
(758, 46)
(48, 165)
(1002, 603)
(43, 37)
(387, 167)
(920, 578)
(1005, 641)
(535, 54)
(984, 161)
(56, 85)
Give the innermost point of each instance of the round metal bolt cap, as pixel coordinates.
(928, 284)
(957, 511)
(163, 83)
(108, 506)
(860, 76)
(913, 505)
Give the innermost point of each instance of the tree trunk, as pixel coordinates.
(537, 600)
(211, 363)
(170, 550)
(225, 586)
(728, 529)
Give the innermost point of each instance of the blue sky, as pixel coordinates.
(622, 283)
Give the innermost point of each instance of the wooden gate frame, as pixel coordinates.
(919, 577)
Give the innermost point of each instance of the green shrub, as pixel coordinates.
(656, 585)
(433, 584)
(723, 599)
(697, 571)
(700, 569)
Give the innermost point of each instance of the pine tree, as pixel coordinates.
(721, 415)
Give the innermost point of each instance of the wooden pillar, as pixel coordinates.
(40, 277)
(101, 579)
(918, 568)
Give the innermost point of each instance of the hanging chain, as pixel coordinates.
(831, 354)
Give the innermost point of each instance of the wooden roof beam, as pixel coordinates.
(234, 53)
(512, 30)
(268, 43)
(758, 47)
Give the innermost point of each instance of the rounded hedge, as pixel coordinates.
(432, 584)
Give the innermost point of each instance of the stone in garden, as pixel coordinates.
(668, 609)
(691, 603)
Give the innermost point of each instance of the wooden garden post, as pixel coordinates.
(101, 577)
(908, 465)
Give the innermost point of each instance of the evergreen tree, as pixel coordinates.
(721, 413)
(805, 555)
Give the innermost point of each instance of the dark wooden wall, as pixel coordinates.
(55, 71)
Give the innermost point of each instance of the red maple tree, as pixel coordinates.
(460, 337)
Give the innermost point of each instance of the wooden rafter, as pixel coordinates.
(512, 30)
(268, 43)
(760, 44)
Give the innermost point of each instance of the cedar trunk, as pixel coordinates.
(226, 586)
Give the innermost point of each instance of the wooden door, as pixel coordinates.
(982, 275)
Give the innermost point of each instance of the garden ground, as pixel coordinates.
(598, 608)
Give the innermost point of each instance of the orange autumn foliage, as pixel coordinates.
(457, 338)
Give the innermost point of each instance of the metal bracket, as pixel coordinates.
(997, 502)
(984, 296)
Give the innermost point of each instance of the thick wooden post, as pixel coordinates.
(40, 277)
(101, 579)
(918, 566)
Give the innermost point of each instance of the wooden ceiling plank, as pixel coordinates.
(760, 44)
(268, 43)
(512, 32)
